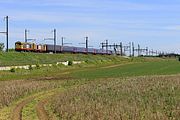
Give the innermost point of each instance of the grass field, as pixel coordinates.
(104, 87)
(131, 69)
(17, 58)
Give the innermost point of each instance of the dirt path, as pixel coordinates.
(17, 112)
(42, 98)
(40, 107)
(41, 112)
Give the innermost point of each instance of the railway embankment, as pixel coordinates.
(27, 58)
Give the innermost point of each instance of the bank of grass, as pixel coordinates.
(163, 67)
(34, 73)
(26, 58)
(146, 98)
(54, 71)
(98, 68)
(89, 62)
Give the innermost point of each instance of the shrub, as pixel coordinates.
(86, 61)
(13, 70)
(178, 58)
(37, 66)
(1, 46)
(30, 67)
(70, 63)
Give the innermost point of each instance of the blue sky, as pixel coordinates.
(152, 23)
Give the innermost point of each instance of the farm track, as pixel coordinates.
(42, 99)
(41, 112)
(17, 112)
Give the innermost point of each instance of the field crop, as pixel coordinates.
(133, 69)
(129, 98)
(13, 90)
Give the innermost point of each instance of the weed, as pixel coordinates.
(30, 67)
(13, 70)
(70, 63)
(38, 66)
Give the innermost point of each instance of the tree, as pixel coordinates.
(1, 46)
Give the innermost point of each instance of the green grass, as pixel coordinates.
(17, 58)
(91, 61)
(97, 68)
(53, 71)
(134, 69)
(33, 74)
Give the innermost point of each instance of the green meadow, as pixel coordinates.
(165, 67)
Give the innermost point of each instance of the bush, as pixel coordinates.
(30, 67)
(86, 61)
(1, 46)
(70, 63)
(13, 70)
(37, 66)
(178, 58)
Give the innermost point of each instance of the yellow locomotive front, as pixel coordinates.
(22, 46)
(18, 46)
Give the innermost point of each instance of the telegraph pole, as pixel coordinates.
(121, 47)
(146, 51)
(130, 49)
(139, 50)
(54, 40)
(7, 32)
(133, 49)
(87, 44)
(106, 46)
(62, 41)
(25, 35)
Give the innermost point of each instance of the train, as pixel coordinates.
(47, 48)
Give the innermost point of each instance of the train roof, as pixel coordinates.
(18, 42)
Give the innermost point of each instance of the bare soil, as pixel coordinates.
(17, 112)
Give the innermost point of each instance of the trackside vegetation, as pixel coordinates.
(26, 58)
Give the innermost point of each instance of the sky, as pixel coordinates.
(150, 23)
